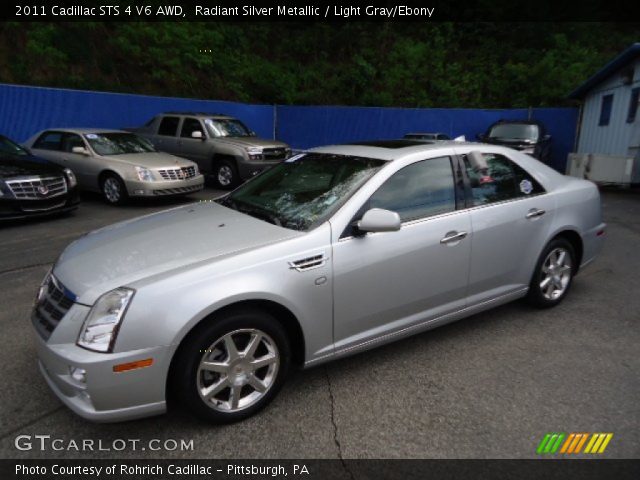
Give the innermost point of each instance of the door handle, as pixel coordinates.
(453, 237)
(533, 213)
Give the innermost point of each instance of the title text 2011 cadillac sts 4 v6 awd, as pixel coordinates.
(331, 252)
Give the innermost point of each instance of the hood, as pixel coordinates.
(20, 165)
(151, 160)
(126, 252)
(251, 142)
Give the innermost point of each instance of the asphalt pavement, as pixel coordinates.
(489, 386)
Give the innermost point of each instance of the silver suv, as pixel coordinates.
(222, 146)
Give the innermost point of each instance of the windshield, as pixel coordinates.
(118, 143)
(227, 128)
(10, 147)
(303, 191)
(514, 131)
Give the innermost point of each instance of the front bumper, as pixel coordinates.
(136, 188)
(12, 209)
(105, 396)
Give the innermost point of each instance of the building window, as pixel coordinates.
(633, 105)
(605, 110)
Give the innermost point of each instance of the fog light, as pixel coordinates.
(78, 374)
(138, 192)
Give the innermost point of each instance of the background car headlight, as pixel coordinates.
(144, 174)
(71, 178)
(101, 326)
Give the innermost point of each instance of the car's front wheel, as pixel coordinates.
(232, 366)
(553, 275)
(225, 174)
(114, 190)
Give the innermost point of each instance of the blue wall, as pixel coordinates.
(26, 110)
(305, 127)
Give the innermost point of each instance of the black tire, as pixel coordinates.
(187, 379)
(539, 297)
(113, 189)
(225, 174)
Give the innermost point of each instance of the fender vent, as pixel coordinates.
(308, 263)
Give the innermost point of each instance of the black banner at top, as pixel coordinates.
(320, 11)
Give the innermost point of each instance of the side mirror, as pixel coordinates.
(379, 220)
(197, 134)
(80, 150)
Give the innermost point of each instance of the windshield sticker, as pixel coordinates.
(91, 136)
(295, 158)
(526, 187)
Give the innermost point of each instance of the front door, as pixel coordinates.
(387, 282)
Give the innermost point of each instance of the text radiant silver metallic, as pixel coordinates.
(343, 293)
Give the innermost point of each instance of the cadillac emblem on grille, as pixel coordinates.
(43, 190)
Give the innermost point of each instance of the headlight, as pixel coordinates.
(101, 327)
(255, 153)
(71, 178)
(144, 174)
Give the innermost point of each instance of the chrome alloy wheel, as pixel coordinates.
(238, 370)
(556, 273)
(225, 175)
(112, 190)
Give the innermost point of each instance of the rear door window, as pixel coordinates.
(169, 126)
(503, 180)
(49, 141)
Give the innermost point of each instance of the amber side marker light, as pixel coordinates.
(125, 367)
(600, 233)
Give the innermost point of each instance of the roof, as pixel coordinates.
(83, 131)
(622, 60)
(198, 114)
(382, 151)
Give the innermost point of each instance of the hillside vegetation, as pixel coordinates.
(484, 65)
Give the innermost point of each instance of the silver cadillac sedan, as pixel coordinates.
(117, 164)
(332, 252)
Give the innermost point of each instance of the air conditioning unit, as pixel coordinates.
(604, 169)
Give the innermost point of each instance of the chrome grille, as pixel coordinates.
(36, 188)
(274, 153)
(183, 173)
(52, 305)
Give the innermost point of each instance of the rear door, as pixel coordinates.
(166, 135)
(511, 216)
(85, 167)
(49, 146)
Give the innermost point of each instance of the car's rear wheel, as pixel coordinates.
(113, 189)
(553, 275)
(233, 366)
(225, 174)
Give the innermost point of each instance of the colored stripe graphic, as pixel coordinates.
(572, 443)
(550, 443)
(598, 442)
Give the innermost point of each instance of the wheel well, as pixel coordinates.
(218, 157)
(282, 314)
(103, 174)
(576, 242)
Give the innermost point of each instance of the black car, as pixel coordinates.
(31, 186)
(528, 136)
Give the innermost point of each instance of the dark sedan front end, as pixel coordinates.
(31, 187)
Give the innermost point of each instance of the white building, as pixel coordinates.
(608, 143)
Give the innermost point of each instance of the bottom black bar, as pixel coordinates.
(197, 469)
